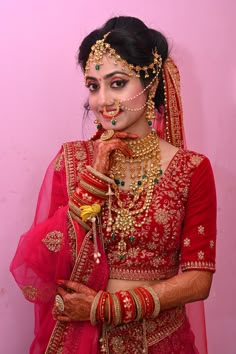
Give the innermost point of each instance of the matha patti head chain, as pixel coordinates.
(101, 48)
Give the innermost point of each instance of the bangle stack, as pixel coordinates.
(124, 306)
(92, 188)
(85, 203)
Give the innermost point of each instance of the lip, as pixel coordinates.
(111, 116)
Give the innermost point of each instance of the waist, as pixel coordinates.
(114, 285)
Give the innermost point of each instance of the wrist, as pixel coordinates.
(125, 306)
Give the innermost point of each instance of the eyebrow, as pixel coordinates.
(107, 76)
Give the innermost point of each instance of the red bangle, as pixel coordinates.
(147, 299)
(127, 305)
(86, 197)
(100, 313)
(94, 181)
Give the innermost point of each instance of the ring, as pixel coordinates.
(59, 302)
(108, 134)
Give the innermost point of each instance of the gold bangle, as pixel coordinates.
(157, 305)
(138, 303)
(79, 221)
(93, 309)
(93, 190)
(73, 207)
(117, 310)
(99, 175)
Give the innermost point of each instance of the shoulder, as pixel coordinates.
(198, 168)
(181, 159)
(193, 158)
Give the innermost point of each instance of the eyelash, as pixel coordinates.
(93, 87)
(123, 82)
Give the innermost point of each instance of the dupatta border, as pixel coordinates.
(77, 156)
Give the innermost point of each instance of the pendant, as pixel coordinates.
(122, 248)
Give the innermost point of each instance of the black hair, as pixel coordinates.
(134, 42)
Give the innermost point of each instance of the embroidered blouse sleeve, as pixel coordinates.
(199, 227)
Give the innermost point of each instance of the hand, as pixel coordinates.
(104, 149)
(77, 299)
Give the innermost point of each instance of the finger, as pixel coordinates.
(75, 286)
(125, 135)
(123, 147)
(62, 292)
(63, 318)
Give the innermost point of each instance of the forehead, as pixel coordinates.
(107, 66)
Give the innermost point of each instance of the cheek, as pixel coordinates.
(92, 103)
(136, 100)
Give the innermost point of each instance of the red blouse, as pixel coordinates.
(180, 230)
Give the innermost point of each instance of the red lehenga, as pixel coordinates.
(180, 232)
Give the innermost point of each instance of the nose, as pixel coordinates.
(104, 97)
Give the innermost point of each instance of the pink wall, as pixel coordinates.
(41, 98)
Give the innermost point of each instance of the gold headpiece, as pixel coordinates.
(101, 48)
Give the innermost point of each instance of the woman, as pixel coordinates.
(128, 235)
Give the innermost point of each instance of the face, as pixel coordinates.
(112, 97)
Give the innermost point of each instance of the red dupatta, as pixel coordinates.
(56, 247)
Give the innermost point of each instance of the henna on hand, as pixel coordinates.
(78, 299)
(103, 150)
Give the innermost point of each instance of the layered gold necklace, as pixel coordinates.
(142, 170)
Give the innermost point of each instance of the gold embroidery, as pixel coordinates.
(157, 273)
(212, 243)
(161, 216)
(198, 265)
(77, 155)
(153, 253)
(72, 235)
(81, 266)
(30, 292)
(200, 255)
(58, 162)
(53, 241)
(186, 242)
(196, 160)
(131, 337)
(81, 155)
(201, 230)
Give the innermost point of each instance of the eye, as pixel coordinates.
(92, 86)
(118, 83)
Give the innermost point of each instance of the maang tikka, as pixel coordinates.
(101, 48)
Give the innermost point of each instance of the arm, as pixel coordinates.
(197, 255)
(183, 288)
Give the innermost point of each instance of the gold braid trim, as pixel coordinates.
(174, 130)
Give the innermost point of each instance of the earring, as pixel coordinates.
(150, 112)
(99, 126)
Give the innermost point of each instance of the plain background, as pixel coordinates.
(41, 104)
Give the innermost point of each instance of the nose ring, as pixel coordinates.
(112, 113)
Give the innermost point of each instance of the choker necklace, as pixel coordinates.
(143, 170)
